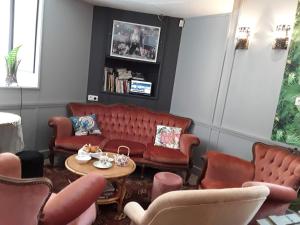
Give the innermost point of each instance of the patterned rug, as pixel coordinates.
(138, 190)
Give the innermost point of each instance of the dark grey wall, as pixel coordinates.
(167, 56)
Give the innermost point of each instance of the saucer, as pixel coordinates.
(110, 159)
(101, 165)
(96, 155)
(99, 155)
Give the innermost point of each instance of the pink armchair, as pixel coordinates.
(272, 166)
(29, 201)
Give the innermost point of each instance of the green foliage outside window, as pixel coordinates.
(287, 120)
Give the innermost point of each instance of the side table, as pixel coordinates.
(287, 219)
(114, 174)
(11, 138)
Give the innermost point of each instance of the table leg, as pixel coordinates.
(122, 192)
(121, 184)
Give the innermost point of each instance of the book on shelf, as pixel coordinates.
(118, 80)
(107, 71)
(124, 74)
(138, 76)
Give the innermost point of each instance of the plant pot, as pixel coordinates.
(11, 79)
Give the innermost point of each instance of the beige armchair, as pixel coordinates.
(232, 206)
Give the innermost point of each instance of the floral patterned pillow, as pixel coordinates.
(167, 136)
(84, 125)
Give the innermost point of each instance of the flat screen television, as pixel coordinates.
(140, 87)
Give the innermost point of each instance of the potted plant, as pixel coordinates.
(12, 64)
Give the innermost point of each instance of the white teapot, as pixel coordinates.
(121, 159)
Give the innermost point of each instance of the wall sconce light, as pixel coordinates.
(281, 40)
(243, 38)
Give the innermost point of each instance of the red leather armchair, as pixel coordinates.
(273, 166)
(29, 201)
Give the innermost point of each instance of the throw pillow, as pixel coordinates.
(167, 136)
(84, 125)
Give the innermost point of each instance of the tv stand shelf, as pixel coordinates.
(149, 70)
(129, 95)
(160, 73)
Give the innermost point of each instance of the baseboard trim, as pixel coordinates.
(45, 153)
(240, 134)
(37, 105)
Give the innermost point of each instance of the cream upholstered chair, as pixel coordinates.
(232, 206)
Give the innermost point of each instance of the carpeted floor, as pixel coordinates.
(138, 190)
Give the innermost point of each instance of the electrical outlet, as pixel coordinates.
(93, 98)
(181, 23)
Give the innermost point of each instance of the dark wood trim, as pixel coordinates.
(30, 182)
(51, 150)
(142, 163)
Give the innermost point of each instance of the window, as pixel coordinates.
(20, 25)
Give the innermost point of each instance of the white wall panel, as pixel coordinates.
(199, 65)
(67, 29)
(249, 86)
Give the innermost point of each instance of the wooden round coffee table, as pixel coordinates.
(115, 174)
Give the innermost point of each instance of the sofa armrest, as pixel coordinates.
(73, 200)
(10, 165)
(135, 212)
(22, 200)
(227, 169)
(187, 141)
(62, 126)
(277, 192)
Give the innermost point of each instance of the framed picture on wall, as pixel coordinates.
(134, 41)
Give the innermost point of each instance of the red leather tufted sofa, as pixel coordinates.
(127, 125)
(273, 166)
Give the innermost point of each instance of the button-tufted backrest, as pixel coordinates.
(276, 165)
(128, 122)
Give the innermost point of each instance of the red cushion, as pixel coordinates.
(146, 154)
(136, 148)
(76, 142)
(165, 155)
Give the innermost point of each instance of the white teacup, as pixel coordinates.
(82, 159)
(103, 158)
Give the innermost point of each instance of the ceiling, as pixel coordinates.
(174, 8)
